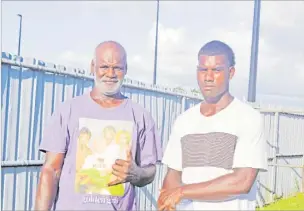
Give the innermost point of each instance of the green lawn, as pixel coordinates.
(293, 203)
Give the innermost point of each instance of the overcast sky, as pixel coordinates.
(67, 32)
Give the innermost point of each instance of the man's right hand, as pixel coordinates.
(48, 183)
(171, 181)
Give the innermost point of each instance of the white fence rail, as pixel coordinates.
(31, 89)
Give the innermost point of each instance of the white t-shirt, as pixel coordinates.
(205, 148)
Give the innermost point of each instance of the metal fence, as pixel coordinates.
(31, 90)
(284, 134)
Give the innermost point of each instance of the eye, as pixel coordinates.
(217, 69)
(104, 67)
(202, 69)
(118, 69)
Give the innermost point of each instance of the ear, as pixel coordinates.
(92, 70)
(231, 72)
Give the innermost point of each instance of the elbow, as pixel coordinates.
(148, 181)
(141, 185)
(244, 187)
(147, 176)
(240, 186)
(151, 179)
(144, 183)
(47, 170)
(244, 190)
(48, 173)
(245, 180)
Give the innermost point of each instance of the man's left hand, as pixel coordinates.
(124, 170)
(168, 199)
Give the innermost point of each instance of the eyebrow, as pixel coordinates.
(203, 66)
(106, 65)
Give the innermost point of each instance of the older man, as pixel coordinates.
(216, 148)
(92, 188)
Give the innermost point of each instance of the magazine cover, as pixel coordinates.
(99, 144)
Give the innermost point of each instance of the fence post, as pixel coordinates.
(183, 107)
(275, 152)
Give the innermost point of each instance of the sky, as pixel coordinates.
(67, 32)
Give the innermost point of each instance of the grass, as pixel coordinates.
(292, 203)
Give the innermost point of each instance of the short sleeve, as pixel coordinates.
(251, 146)
(150, 150)
(173, 153)
(55, 133)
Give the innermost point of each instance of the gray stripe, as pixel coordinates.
(210, 149)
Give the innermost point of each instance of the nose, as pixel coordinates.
(209, 76)
(111, 73)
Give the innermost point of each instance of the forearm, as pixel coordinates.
(169, 184)
(172, 180)
(221, 188)
(144, 176)
(47, 189)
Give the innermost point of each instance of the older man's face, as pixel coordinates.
(110, 69)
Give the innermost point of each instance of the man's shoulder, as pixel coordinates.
(66, 105)
(189, 113)
(246, 115)
(246, 110)
(139, 110)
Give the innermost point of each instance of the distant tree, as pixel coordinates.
(179, 89)
(195, 91)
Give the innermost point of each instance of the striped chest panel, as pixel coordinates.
(210, 149)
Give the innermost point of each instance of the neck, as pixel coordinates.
(213, 105)
(106, 100)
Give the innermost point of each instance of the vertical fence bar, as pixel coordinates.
(183, 102)
(275, 153)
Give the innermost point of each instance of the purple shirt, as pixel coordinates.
(91, 137)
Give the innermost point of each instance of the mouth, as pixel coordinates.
(208, 87)
(110, 82)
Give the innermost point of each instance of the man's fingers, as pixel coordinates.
(119, 179)
(118, 168)
(115, 182)
(120, 162)
(163, 203)
(170, 205)
(118, 174)
(129, 155)
(171, 208)
(166, 203)
(162, 207)
(161, 191)
(166, 207)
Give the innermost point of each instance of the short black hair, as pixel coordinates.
(217, 47)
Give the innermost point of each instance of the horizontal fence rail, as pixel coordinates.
(31, 89)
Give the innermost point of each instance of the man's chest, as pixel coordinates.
(209, 143)
(214, 149)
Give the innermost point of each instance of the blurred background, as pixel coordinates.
(67, 32)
